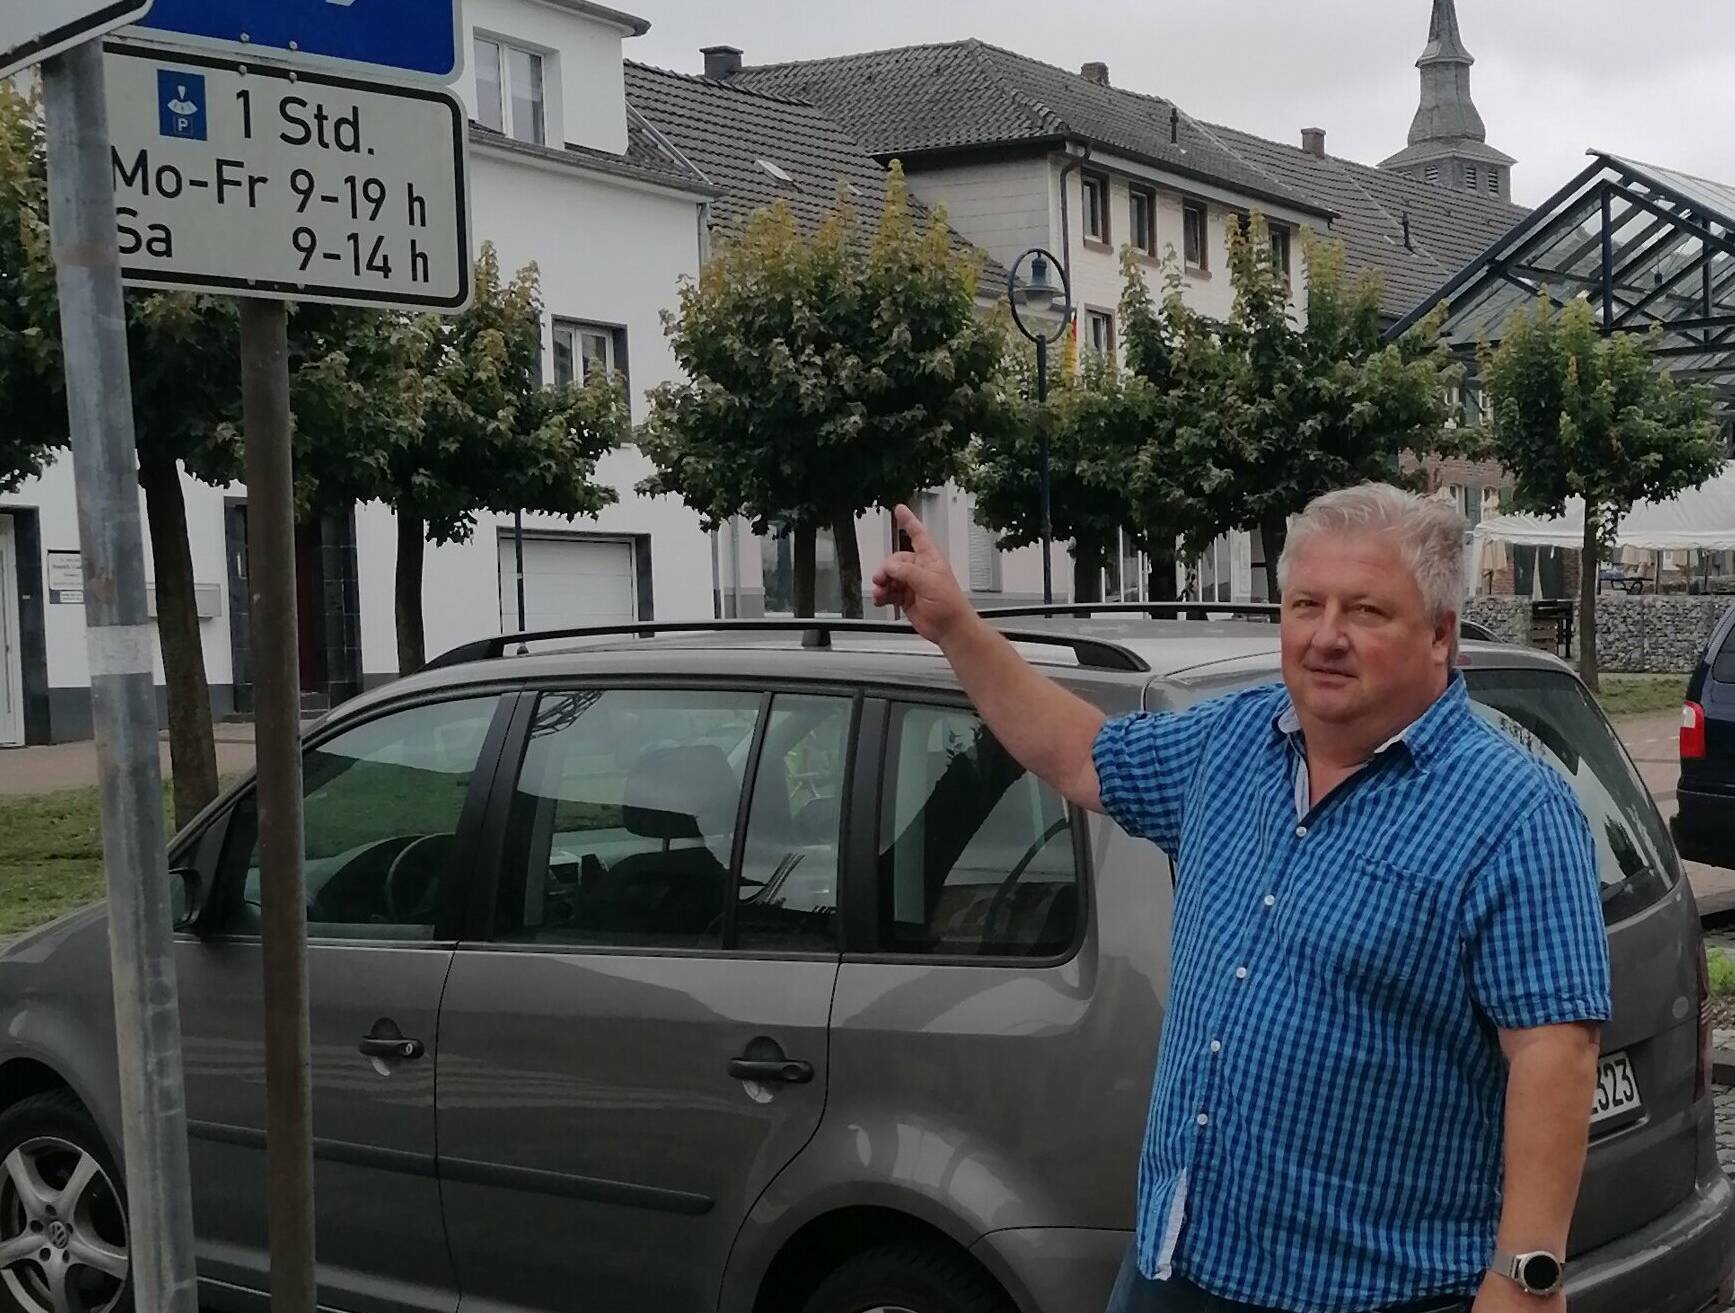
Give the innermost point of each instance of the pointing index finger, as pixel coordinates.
(919, 537)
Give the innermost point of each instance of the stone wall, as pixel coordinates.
(1507, 618)
(1665, 635)
(1659, 635)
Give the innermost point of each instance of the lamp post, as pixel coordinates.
(1039, 294)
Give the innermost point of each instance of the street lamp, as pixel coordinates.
(1039, 295)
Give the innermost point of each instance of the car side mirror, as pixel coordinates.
(185, 902)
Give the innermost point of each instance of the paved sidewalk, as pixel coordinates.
(73, 765)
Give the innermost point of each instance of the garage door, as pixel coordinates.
(568, 582)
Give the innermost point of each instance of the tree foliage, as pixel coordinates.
(440, 418)
(825, 374)
(1263, 413)
(32, 397)
(1573, 412)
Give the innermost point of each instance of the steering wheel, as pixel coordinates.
(408, 903)
(1003, 895)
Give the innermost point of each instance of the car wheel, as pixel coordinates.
(908, 1279)
(63, 1228)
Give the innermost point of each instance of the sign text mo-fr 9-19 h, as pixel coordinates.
(255, 180)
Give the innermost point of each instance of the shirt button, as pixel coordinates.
(1203, 1120)
(1271, 900)
(1216, 1046)
(1301, 832)
(1240, 973)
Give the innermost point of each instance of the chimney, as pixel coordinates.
(1313, 142)
(1175, 124)
(721, 62)
(1409, 242)
(1096, 72)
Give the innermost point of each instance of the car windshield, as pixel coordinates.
(1551, 716)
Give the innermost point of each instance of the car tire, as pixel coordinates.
(46, 1141)
(908, 1279)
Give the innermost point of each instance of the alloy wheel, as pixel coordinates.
(63, 1233)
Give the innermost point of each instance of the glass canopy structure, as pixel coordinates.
(1651, 250)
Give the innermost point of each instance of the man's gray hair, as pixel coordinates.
(1428, 533)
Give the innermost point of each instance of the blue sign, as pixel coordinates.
(415, 37)
(181, 104)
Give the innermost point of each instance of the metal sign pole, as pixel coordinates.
(122, 684)
(277, 719)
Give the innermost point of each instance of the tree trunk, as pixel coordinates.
(848, 562)
(192, 745)
(412, 637)
(1273, 533)
(1087, 563)
(806, 569)
(1163, 587)
(1587, 585)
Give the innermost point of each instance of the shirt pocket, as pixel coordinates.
(1365, 925)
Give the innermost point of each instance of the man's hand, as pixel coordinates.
(920, 583)
(1501, 1295)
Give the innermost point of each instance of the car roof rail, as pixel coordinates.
(1090, 653)
(1267, 611)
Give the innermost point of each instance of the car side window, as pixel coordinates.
(787, 895)
(381, 805)
(1723, 665)
(976, 855)
(623, 818)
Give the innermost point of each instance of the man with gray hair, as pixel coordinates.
(1378, 1059)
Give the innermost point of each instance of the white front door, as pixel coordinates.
(11, 661)
(568, 582)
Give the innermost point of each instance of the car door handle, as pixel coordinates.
(782, 1071)
(394, 1048)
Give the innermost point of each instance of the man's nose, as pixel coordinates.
(1332, 634)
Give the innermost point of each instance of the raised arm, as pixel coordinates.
(1046, 729)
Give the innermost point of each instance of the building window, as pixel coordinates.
(985, 576)
(1144, 221)
(509, 91)
(1472, 177)
(1280, 251)
(1193, 235)
(1096, 208)
(1473, 503)
(1100, 325)
(1493, 182)
(1431, 173)
(583, 352)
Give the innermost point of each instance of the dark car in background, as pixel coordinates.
(1705, 825)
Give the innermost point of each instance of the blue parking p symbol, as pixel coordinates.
(181, 104)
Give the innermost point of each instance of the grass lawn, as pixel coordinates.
(1634, 695)
(50, 857)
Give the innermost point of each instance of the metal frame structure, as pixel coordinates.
(1651, 249)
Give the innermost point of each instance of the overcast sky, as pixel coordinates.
(1647, 78)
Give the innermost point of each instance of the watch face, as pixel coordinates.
(1540, 1272)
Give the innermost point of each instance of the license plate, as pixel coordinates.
(1617, 1090)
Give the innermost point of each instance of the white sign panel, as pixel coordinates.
(32, 30)
(65, 579)
(260, 181)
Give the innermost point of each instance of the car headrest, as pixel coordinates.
(681, 793)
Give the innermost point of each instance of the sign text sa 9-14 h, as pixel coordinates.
(261, 181)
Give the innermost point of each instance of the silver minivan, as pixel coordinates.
(735, 967)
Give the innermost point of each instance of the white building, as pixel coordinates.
(564, 174)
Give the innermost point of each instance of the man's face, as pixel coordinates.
(1358, 644)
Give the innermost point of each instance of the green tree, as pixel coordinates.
(825, 374)
(186, 387)
(442, 417)
(1090, 417)
(1577, 413)
(1261, 414)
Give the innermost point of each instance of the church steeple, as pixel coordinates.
(1448, 140)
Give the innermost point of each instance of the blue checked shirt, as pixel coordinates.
(1325, 1132)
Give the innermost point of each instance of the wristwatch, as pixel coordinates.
(1540, 1273)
